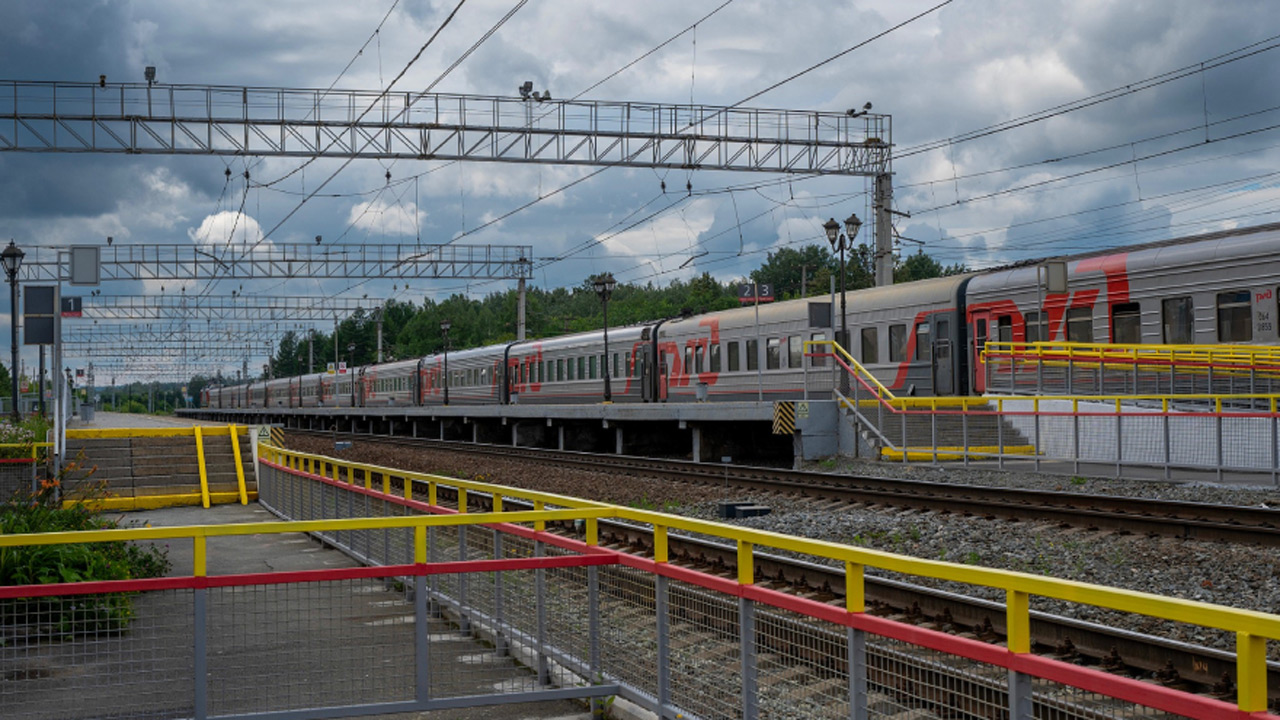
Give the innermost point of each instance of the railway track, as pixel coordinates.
(1166, 661)
(1227, 523)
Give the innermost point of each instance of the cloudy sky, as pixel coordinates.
(1126, 139)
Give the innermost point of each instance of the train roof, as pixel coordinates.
(1223, 238)
(1239, 245)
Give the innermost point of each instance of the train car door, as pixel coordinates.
(981, 328)
(943, 360)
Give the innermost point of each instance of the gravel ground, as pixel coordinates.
(1232, 575)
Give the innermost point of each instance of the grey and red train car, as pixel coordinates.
(923, 338)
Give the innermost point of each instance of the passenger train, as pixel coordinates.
(924, 337)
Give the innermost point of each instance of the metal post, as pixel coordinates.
(12, 260)
(747, 641)
(500, 645)
(40, 385)
(421, 641)
(593, 631)
(1020, 696)
(199, 652)
(520, 300)
(661, 598)
(540, 594)
(857, 662)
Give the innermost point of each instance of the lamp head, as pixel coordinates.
(832, 229)
(604, 285)
(445, 325)
(851, 226)
(12, 258)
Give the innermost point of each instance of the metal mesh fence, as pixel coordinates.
(519, 631)
(306, 645)
(16, 477)
(131, 653)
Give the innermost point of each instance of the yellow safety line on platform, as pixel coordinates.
(204, 473)
(235, 451)
(949, 452)
(155, 502)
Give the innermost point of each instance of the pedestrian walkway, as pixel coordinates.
(287, 552)
(103, 420)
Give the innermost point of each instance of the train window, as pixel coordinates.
(773, 354)
(818, 360)
(870, 345)
(1235, 316)
(795, 351)
(1080, 325)
(688, 360)
(559, 372)
(582, 368)
(1004, 328)
(1126, 323)
(626, 364)
(1035, 327)
(897, 343)
(714, 357)
(733, 348)
(1175, 320)
(922, 341)
(753, 354)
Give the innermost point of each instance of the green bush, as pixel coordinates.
(71, 563)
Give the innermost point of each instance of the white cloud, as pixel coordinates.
(377, 217)
(226, 228)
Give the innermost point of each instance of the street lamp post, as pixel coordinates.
(838, 242)
(351, 370)
(604, 285)
(444, 332)
(12, 258)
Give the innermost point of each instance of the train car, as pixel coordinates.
(910, 337)
(475, 376)
(389, 385)
(1214, 288)
(739, 354)
(570, 369)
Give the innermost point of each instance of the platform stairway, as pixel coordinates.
(141, 465)
(913, 428)
(947, 433)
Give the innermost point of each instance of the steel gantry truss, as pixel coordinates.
(281, 261)
(148, 118)
(258, 308)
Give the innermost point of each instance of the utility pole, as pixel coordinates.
(311, 351)
(380, 332)
(884, 230)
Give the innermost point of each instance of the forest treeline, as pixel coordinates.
(410, 330)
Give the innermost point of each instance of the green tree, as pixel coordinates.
(794, 272)
(920, 266)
